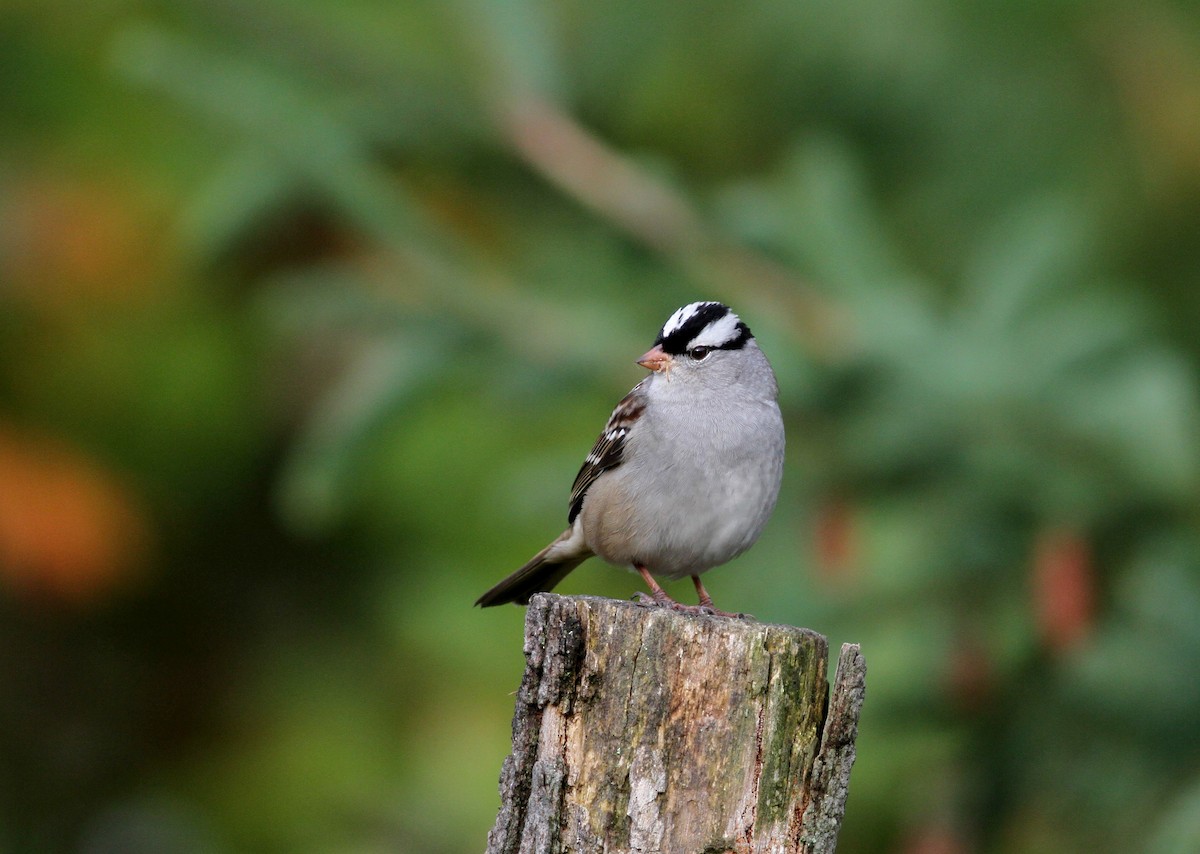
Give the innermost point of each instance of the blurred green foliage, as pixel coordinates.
(309, 311)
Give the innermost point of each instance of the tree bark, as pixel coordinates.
(640, 729)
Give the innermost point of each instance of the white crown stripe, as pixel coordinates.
(682, 316)
(718, 333)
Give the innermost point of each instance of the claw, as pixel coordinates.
(659, 598)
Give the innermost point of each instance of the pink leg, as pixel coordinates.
(659, 597)
(706, 602)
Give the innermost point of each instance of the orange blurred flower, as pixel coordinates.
(69, 530)
(61, 241)
(836, 540)
(1063, 588)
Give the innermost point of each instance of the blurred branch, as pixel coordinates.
(272, 112)
(517, 73)
(421, 261)
(614, 187)
(331, 154)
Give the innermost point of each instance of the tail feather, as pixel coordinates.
(537, 576)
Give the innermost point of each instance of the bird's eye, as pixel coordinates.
(699, 353)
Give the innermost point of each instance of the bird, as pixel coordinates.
(686, 472)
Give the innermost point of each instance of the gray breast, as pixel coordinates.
(694, 491)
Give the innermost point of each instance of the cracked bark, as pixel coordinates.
(644, 730)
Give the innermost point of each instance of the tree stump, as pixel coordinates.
(640, 729)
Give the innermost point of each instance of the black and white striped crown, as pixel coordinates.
(703, 324)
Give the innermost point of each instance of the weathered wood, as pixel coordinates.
(644, 730)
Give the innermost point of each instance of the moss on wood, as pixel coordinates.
(641, 729)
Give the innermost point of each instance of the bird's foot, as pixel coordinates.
(706, 603)
(717, 612)
(659, 598)
(653, 601)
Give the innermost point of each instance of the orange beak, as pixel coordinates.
(655, 359)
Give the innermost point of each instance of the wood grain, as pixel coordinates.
(639, 729)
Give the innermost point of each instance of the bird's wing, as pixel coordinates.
(609, 449)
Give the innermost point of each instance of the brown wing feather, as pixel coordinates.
(609, 449)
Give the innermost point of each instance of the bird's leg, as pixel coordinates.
(706, 602)
(659, 597)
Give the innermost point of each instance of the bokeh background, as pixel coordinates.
(309, 312)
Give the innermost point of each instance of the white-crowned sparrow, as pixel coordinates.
(687, 470)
